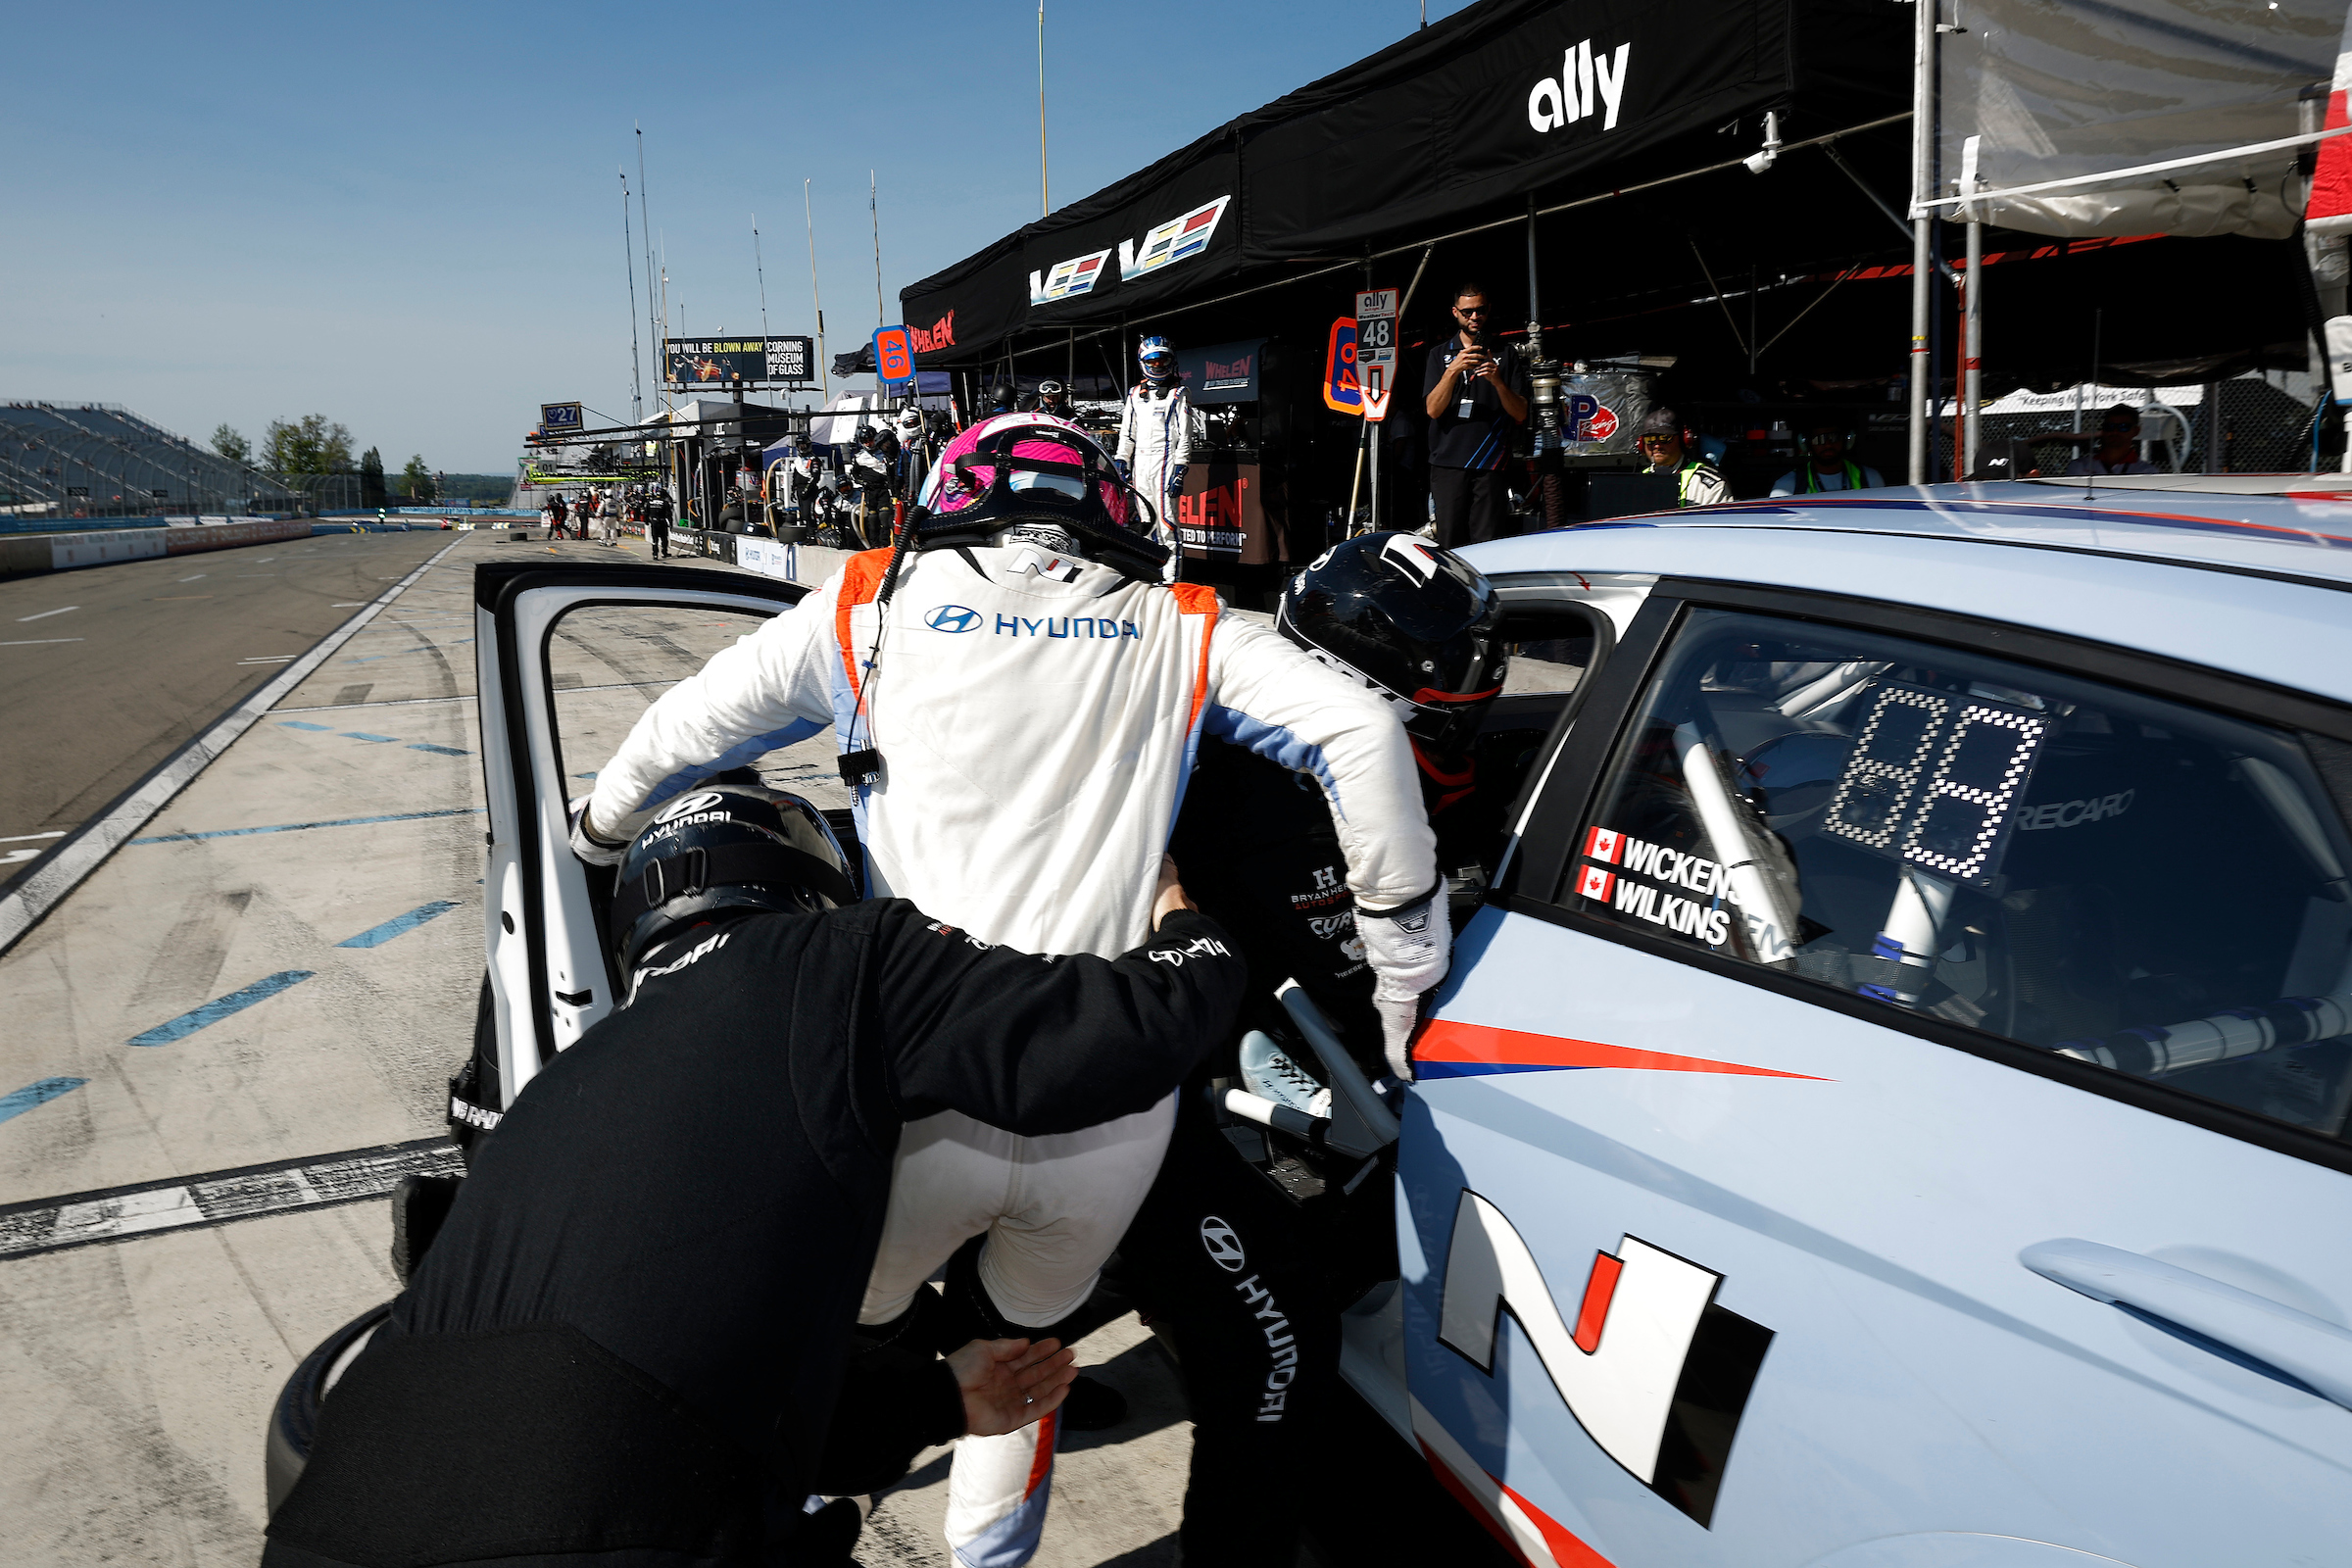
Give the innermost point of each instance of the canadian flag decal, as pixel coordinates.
(1593, 882)
(1648, 1349)
(1603, 845)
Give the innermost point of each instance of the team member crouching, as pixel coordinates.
(1218, 1254)
(626, 1344)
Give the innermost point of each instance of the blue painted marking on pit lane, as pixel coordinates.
(377, 935)
(298, 827)
(381, 740)
(220, 1008)
(17, 1102)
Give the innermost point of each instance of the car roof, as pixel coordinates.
(2253, 583)
(2296, 526)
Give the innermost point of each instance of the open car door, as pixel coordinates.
(568, 656)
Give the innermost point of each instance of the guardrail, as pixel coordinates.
(66, 552)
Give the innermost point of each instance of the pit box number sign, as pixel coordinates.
(1376, 338)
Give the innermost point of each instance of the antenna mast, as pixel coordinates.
(824, 368)
(1045, 200)
(873, 203)
(628, 251)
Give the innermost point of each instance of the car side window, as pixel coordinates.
(2129, 881)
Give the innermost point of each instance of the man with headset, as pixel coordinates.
(1826, 465)
(1667, 445)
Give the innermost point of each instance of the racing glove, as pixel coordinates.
(1408, 948)
(1175, 481)
(586, 843)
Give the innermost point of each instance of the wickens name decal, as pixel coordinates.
(1588, 85)
(1705, 880)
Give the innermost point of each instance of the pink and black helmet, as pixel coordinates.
(1015, 469)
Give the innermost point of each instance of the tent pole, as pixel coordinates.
(1922, 135)
(1972, 354)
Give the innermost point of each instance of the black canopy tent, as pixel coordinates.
(1624, 130)
(1459, 122)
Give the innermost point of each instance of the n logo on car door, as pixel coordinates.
(1653, 1370)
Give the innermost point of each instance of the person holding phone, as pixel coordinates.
(1476, 397)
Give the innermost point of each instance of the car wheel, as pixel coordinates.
(294, 1419)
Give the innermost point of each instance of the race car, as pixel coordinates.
(1888, 1108)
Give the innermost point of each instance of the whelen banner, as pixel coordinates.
(691, 362)
(1458, 122)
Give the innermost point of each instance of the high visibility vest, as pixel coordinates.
(1682, 478)
(1807, 481)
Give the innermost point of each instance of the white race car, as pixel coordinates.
(1889, 1108)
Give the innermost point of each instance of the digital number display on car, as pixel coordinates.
(1934, 778)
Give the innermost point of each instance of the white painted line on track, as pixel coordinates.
(43, 642)
(191, 579)
(23, 905)
(186, 1202)
(23, 838)
(46, 613)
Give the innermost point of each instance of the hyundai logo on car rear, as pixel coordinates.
(952, 618)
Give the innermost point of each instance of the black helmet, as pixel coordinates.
(1051, 393)
(1662, 420)
(1409, 619)
(730, 846)
(1044, 476)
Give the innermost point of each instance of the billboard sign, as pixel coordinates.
(1223, 373)
(561, 419)
(692, 362)
(894, 357)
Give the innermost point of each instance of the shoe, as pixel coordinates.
(1269, 1072)
(1093, 1406)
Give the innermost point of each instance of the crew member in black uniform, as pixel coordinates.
(625, 1342)
(1248, 1288)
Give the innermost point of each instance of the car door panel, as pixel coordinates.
(1872, 1198)
(550, 974)
(1910, 1351)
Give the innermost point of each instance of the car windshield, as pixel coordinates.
(2108, 875)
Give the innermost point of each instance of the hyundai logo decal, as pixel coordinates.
(1224, 1247)
(951, 617)
(700, 802)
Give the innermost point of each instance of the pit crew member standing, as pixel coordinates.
(1475, 394)
(625, 1344)
(1156, 438)
(1018, 719)
(1216, 1253)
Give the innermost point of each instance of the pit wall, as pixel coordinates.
(65, 552)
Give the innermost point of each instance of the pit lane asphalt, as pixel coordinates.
(267, 991)
(150, 654)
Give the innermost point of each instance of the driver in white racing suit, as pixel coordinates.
(1018, 702)
(1156, 438)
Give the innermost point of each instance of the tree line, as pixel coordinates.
(313, 445)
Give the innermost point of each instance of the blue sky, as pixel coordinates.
(408, 218)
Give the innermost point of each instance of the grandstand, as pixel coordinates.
(63, 461)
